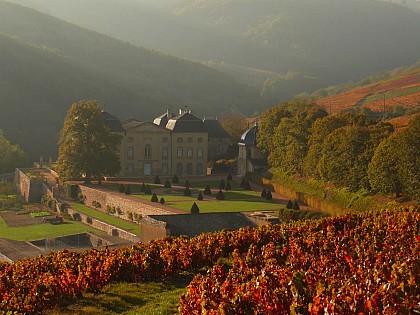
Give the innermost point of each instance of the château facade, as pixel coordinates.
(169, 145)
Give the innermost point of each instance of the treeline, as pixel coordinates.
(11, 155)
(348, 149)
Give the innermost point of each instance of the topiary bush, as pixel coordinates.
(243, 182)
(157, 179)
(268, 195)
(154, 198)
(229, 177)
(187, 184)
(228, 187)
(175, 179)
(195, 209)
(127, 190)
(187, 191)
(222, 184)
(162, 201)
(207, 190)
(264, 193)
(289, 204)
(167, 184)
(220, 195)
(122, 188)
(200, 196)
(296, 206)
(143, 187)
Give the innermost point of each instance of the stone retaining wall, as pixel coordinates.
(30, 190)
(102, 226)
(125, 204)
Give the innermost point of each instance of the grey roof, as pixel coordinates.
(249, 137)
(215, 129)
(186, 122)
(113, 122)
(132, 123)
(195, 224)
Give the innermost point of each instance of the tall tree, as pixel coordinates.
(235, 125)
(88, 148)
(11, 155)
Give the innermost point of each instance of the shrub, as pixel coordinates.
(143, 187)
(162, 201)
(228, 187)
(195, 209)
(168, 184)
(296, 206)
(129, 215)
(80, 198)
(187, 184)
(154, 198)
(222, 184)
(229, 177)
(137, 216)
(200, 196)
(147, 190)
(122, 188)
(289, 204)
(187, 191)
(89, 220)
(264, 193)
(175, 179)
(247, 185)
(268, 195)
(207, 190)
(118, 210)
(76, 216)
(127, 190)
(220, 195)
(243, 182)
(157, 180)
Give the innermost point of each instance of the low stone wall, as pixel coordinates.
(102, 226)
(152, 229)
(316, 203)
(125, 204)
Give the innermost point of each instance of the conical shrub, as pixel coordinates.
(222, 184)
(122, 188)
(195, 209)
(264, 193)
(168, 184)
(228, 187)
(200, 196)
(296, 206)
(187, 192)
(220, 195)
(127, 190)
(162, 201)
(157, 179)
(207, 190)
(154, 198)
(268, 195)
(289, 204)
(229, 177)
(175, 179)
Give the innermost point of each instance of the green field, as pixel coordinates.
(123, 224)
(45, 230)
(227, 206)
(130, 299)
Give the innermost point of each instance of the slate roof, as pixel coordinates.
(113, 122)
(163, 119)
(249, 137)
(133, 123)
(195, 224)
(215, 129)
(186, 122)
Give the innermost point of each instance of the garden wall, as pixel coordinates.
(316, 203)
(31, 190)
(125, 204)
(102, 226)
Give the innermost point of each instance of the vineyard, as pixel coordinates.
(403, 90)
(354, 264)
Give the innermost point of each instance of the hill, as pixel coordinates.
(285, 46)
(47, 64)
(392, 96)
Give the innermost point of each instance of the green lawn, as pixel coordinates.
(41, 231)
(123, 224)
(227, 206)
(135, 188)
(130, 299)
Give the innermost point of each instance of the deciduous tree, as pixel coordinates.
(88, 148)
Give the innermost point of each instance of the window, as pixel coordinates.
(200, 169)
(179, 139)
(147, 150)
(179, 168)
(165, 169)
(189, 168)
(179, 153)
(130, 153)
(165, 153)
(190, 152)
(130, 139)
(165, 140)
(199, 139)
(200, 152)
(130, 168)
(190, 139)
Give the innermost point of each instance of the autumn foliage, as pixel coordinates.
(358, 263)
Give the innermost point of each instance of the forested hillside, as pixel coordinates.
(48, 64)
(286, 46)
